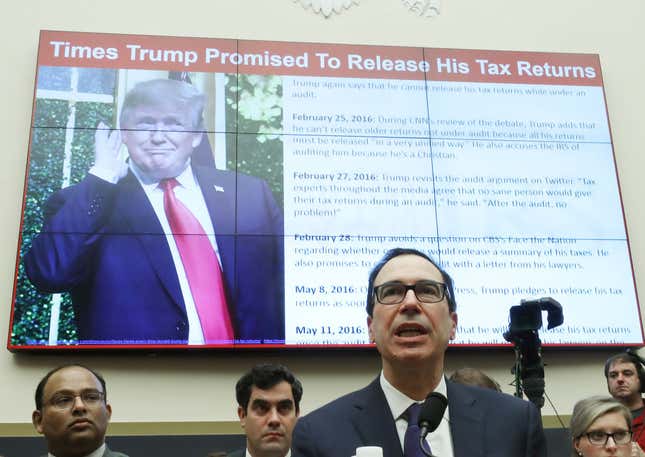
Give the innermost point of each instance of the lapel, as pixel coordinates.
(138, 214)
(219, 191)
(466, 422)
(373, 421)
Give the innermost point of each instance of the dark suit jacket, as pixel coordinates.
(483, 423)
(103, 243)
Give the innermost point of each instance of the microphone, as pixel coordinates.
(431, 413)
(430, 417)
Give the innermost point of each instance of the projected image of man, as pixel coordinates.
(158, 249)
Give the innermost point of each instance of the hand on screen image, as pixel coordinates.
(107, 149)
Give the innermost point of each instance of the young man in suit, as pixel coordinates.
(268, 400)
(157, 249)
(411, 317)
(72, 413)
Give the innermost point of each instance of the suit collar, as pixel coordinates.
(136, 209)
(219, 190)
(373, 420)
(466, 422)
(101, 451)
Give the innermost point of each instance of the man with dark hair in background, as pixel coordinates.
(625, 382)
(157, 249)
(72, 412)
(411, 317)
(268, 399)
(474, 377)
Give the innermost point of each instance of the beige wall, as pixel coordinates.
(199, 387)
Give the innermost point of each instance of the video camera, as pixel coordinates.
(525, 320)
(527, 316)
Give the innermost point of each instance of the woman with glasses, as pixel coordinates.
(601, 426)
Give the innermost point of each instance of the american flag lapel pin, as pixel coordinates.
(218, 188)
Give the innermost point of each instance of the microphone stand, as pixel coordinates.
(422, 443)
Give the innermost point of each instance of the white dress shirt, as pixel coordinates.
(440, 441)
(248, 454)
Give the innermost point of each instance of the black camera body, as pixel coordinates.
(525, 320)
(527, 316)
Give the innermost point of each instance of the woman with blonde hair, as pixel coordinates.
(601, 426)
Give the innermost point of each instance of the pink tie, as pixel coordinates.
(201, 265)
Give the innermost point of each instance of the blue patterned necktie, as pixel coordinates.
(411, 446)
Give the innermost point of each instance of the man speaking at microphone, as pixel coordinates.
(411, 317)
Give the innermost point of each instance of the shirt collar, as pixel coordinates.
(185, 178)
(248, 454)
(98, 452)
(398, 401)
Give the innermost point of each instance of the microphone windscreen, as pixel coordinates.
(432, 411)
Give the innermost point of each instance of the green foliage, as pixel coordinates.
(254, 112)
(33, 309)
(88, 116)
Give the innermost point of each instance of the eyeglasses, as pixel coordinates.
(599, 438)
(392, 293)
(66, 400)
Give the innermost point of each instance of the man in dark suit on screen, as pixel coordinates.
(411, 317)
(156, 249)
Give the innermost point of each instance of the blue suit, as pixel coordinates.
(483, 423)
(103, 243)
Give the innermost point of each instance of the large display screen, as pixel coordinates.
(192, 192)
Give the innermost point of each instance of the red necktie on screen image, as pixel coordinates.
(201, 266)
(411, 446)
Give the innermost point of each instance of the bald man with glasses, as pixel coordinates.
(72, 413)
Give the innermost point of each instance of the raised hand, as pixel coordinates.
(106, 151)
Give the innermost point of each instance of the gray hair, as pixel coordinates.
(157, 92)
(586, 411)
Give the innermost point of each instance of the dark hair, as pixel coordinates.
(396, 252)
(40, 389)
(264, 376)
(475, 377)
(626, 357)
